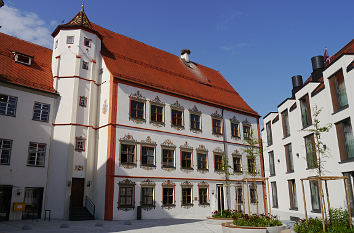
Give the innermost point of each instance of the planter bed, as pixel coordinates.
(228, 227)
(218, 221)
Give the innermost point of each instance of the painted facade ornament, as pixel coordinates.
(168, 183)
(137, 96)
(236, 152)
(186, 184)
(147, 182)
(157, 101)
(105, 107)
(186, 146)
(195, 110)
(126, 182)
(216, 115)
(246, 122)
(128, 139)
(168, 143)
(202, 148)
(218, 150)
(177, 105)
(234, 120)
(148, 141)
(203, 184)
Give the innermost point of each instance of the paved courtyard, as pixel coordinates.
(146, 226)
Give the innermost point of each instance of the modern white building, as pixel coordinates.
(139, 132)
(289, 153)
(26, 114)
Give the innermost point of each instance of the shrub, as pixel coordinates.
(256, 220)
(223, 214)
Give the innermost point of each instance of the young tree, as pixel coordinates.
(225, 169)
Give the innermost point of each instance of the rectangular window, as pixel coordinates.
(285, 120)
(234, 130)
(202, 161)
(127, 154)
(246, 131)
(156, 113)
(310, 152)
(126, 197)
(8, 105)
(305, 111)
(350, 176)
(137, 109)
(87, 42)
(253, 193)
(177, 118)
(83, 101)
(345, 139)
(80, 144)
(217, 127)
(239, 196)
(289, 158)
(23, 59)
(274, 194)
(315, 196)
(168, 158)
(217, 162)
(271, 163)
(56, 44)
(5, 151)
(292, 194)
(203, 196)
(85, 65)
(338, 91)
(251, 163)
(41, 112)
(167, 196)
(147, 156)
(36, 154)
(186, 160)
(237, 161)
(187, 196)
(147, 196)
(195, 121)
(70, 39)
(269, 134)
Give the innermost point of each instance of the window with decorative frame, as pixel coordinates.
(253, 193)
(137, 107)
(83, 101)
(148, 157)
(237, 162)
(80, 143)
(187, 193)
(168, 154)
(177, 115)
(239, 197)
(216, 120)
(186, 156)
(5, 151)
(218, 160)
(126, 198)
(8, 105)
(251, 164)
(202, 158)
(41, 112)
(246, 126)
(195, 119)
(168, 194)
(147, 194)
(36, 154)
(157, 111)
(203, 190)
(128, 150)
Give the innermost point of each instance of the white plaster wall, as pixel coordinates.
(332, 166)
(23, 130)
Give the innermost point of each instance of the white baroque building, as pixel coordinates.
(129, 130)
(288, 148)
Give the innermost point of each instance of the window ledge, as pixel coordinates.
(316, 211)
(157, 123)
(128, 165)
(195, 130)
(203, 169)
(31, 165)
(187, 168)
(347, 161)
(341, 109)
(7, 164)
(236, 137)
(168, 205)
(217, 134)
(189, 204)
(289, 172)
(238, 172)
(169, 167)
(178, 127)
(137, 120)
(276, 207)
(273, 175)
(305, 127)
(310, 168)
(285, 137)
(295, 209)
(148, 165)
(204, 204)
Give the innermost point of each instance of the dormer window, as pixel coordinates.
(23, 59)
(70, 39)
(87, 42)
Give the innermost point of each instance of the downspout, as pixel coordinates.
(226, 161)
(262, 169)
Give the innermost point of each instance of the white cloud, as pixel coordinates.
(25, 25)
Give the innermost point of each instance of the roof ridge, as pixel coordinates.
(26, 41)
(166, 71)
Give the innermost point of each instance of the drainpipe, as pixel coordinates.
(226, 161)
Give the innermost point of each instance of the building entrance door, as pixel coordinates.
(5, 202)
(220, 193)
(77, 192)
(239, 197)
(33, 200)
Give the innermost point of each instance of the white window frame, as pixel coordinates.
(38, 154)
(2, 149)
(41, 112)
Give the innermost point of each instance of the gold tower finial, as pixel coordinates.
(83, 5)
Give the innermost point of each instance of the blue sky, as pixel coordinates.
(256, 45)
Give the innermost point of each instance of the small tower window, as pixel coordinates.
(80, 144)
(83, 101)
(56, 44)
(70, 39)
(87, 42)
(85, 65)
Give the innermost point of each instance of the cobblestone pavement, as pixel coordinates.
(146, 226)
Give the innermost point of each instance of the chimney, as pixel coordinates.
(317, 67)
(297, 83)
(185, 55)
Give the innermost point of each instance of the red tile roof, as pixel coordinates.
(137, 62)
(38, 75)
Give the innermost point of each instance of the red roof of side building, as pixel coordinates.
(37, 76)
(137, 62)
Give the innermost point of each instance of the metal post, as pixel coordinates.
(319, 182)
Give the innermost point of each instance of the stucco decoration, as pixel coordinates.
(202, 148)
(236, 152)
(234, 120)
(148, 183)
(218, 150)
(105, 107)
(128, 139)
(203, 184)
(137, 96)
(148, 141)
(127, 183)
(177, 106)
(157, 101)
(246, 122)
(186, 184)
(186, 147)
(195, 111)
(168, 143)
(216, 115)
(168, 183)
